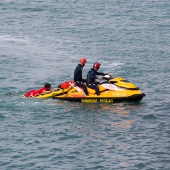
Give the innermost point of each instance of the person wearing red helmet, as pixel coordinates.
(79, 81)
(92, 76)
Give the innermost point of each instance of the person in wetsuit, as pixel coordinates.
(92, 76)
(79, 81)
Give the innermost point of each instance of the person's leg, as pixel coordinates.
(94, 86)
(80, 84)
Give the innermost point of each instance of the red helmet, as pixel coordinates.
(97, 65)
(82, 60)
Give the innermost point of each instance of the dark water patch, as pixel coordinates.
(140, 165)
(32, 9)
(150, 116)
(2, 116)
(20, 166)
(55, 149)
(69, 137)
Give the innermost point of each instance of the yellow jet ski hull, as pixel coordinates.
(52, 94)
(111, 91)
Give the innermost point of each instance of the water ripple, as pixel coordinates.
(41, 42)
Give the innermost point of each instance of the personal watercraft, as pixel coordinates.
(111, 90)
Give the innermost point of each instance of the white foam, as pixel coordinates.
(13, 38)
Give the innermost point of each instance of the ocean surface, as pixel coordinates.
(41, 41)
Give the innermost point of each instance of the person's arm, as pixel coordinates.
(100, 73)
(49, 91)
(77, 73)
(93, 75)
(103, 74)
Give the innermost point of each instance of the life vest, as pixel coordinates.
(65, 84)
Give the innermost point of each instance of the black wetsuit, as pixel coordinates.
(78, 78)
(91, 76)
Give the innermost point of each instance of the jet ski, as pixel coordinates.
(111, 90)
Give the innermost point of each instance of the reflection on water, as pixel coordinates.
(124, 124)
(98, 108)
(89, 118)
(103, 127)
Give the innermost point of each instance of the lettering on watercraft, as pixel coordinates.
(106, 100)
(120, 94)
(89, 100)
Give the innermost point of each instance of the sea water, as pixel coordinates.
(41, 41)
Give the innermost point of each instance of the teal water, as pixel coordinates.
(41, 41)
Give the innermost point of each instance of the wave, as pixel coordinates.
(9, 38)
(150, 116)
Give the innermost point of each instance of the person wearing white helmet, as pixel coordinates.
(79, 81)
